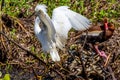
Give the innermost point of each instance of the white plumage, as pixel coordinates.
(53, 32)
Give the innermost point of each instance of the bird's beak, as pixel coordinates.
(106, 23)
(36, 14)
(106, 26)
(31, 15)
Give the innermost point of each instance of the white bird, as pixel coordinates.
(52, 33)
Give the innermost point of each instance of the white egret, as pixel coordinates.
(52, 33)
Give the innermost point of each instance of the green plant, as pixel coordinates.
(15, 7)
(6, 77)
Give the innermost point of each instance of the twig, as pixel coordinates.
(30, 53)
(20, 24)
(80, 57)
(103, 69)
(113, 58)
(1, 27)
(111, 72)
(24, 49)
(2, 3)
(84, 41)
(62, 76)
(2, 43)
(4, 64)
(117, 57)
(94, 69)
(107, 61)
(35, 73)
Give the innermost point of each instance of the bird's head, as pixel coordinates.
(108, 26)
(39, 8)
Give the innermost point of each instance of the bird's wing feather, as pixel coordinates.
(93, 33)
(49, 25)
(37, 28)
(41, 34)
(61, 23)
(67, 19)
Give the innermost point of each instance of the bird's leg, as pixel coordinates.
(101, 53)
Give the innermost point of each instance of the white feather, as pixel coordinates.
(41, 7)
(92, 33)
(63, 19)
(41, 31)
(41, 35)
(54, 53)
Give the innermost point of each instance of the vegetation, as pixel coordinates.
(16, 23)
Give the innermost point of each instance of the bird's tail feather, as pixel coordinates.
(54, 54)
(60, 42)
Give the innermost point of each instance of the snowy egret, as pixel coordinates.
(53, 32)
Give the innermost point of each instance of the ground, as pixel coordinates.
(21, 55)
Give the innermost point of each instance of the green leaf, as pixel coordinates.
(6, 77)
(33, 49)
(0, 73)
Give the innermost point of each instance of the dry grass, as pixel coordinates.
(21, 65)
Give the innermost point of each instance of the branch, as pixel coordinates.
(111, 72)
(80, 57)
(2, 3)
(32, 54)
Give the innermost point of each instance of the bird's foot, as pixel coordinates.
(102, 53)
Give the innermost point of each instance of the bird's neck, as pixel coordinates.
(37, 28)
(108, 33)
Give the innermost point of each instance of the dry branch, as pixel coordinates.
(32, 54)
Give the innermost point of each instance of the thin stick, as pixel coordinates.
(62, 76)
(34, 73)
(80, 57)
(24, 49)
(30, 53)
(20, 24)
(108, 58)
(2, 3)
(111, 72)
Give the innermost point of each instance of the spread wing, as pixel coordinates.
(64, 19)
